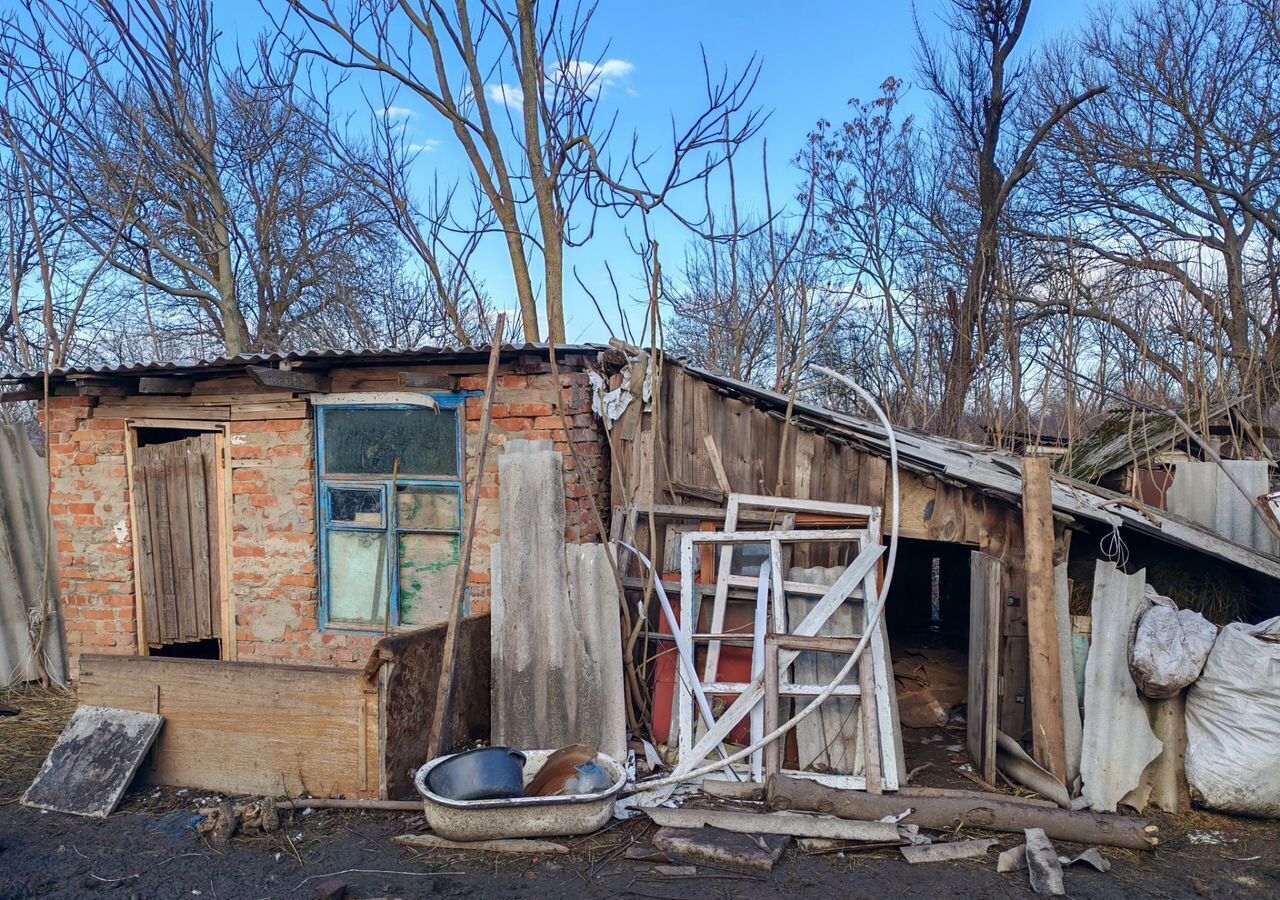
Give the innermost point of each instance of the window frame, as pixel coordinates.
(454, 404)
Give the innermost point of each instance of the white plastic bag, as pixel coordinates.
(1169, 647)
(1233, 722)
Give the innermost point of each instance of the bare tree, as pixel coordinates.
(978, 87)
(1172, 182)
(519, 89)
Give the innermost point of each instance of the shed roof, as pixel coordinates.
(364, 355)
(997, 474)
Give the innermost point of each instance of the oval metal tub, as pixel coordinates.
(520, 817)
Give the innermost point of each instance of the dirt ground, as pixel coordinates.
(149, 848)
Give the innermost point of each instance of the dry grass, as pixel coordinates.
(25, 739)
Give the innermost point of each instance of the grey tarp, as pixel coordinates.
(24, 489)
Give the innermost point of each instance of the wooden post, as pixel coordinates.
(1047, 727)
(444, 687)
(772, 712)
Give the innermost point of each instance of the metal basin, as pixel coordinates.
(485, 773)
(517, 817)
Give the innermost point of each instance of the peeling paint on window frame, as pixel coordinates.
(451, 403)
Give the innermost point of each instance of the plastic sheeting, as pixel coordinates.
(1233, 722)
(24, 490)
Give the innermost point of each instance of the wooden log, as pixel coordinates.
(793, 824)
(289, 379)
(1048, 737)
(986, 811)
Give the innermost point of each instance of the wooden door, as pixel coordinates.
(176, 507)
(986, 588)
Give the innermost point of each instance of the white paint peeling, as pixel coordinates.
(239, 440)
(121, 532)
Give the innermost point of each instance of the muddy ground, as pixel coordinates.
(149, 848)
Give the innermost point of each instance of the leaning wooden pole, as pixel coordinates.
(448, 658)
(1048, 726)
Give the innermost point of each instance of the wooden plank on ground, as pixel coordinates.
(248, 728)
(1047, 729)
(94, 760)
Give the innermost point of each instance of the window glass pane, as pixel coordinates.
(368, 442)
(427, 508)
(356, 566)
(356, 506)
(748, 558)
(428, 565)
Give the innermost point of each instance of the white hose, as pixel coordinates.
(875, 607)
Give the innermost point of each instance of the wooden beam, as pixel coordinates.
(448, 658)
(16, 396)
(1047, 724)
(429, 381)
(289, 379)
(101, 389)
(165, 384)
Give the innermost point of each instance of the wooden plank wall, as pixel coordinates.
(410, 697)
(820, 467)
(248, 728)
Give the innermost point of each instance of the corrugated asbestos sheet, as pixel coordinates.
(389, 355)
(1203, 493)
(998, 474)
(24, 488)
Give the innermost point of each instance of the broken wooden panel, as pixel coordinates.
(428, 569)
(1118, 740)
(248, 728)
(94, 760)
(413, 664)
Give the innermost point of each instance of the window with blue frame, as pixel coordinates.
(390, 512)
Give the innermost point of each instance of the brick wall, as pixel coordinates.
(273, 563)
(89, 500)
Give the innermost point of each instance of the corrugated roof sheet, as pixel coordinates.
(999, 474)
(365, 354)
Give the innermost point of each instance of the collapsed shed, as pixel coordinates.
(962, 580)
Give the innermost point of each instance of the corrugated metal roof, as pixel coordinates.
(366, 354)
(999, 474)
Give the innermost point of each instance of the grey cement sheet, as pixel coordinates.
(95, 758)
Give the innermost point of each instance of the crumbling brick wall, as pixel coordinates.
(273, 550)
(89, 503)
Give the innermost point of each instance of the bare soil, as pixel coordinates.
(149, 848)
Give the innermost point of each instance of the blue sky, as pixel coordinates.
(814, 55)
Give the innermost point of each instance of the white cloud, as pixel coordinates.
(592, 77)
(396, 112)
(427, 146)
(506, 94)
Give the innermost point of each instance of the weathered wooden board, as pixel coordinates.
(251, 728)
(985, 580)
(413, 664)
(94, 760)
